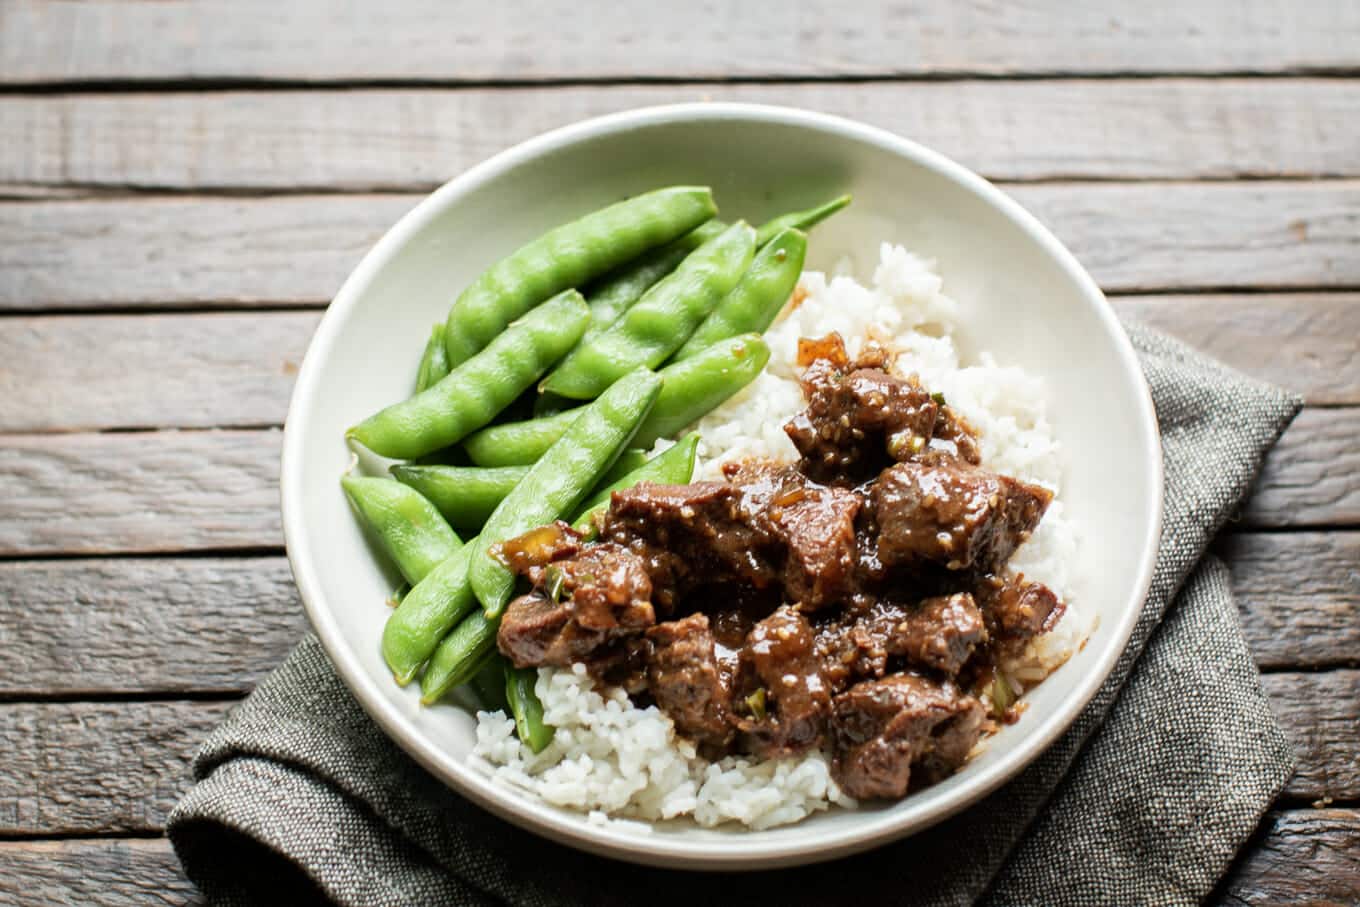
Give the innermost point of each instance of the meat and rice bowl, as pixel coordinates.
(868, 575)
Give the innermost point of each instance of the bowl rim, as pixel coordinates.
(746, 850)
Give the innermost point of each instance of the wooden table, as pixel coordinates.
(184, 185)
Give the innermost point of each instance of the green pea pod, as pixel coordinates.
(518, 443)
(434, 362)
(472, 394)
(432, 607)
(408, 528)
(700, 383)
(458, 655)
(569, 256)
(525, 707)
(465, 495)
(489, 682)
(758, 296)
(661, 320)
(561, 479)
(800, 220)
(616, 292)
(673, 466)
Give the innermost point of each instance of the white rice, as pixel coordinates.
(610, 758)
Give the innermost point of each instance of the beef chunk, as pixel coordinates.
(953, 514)
(781, 676)
(535, 630)
(1015, 609)
(954, 437)
(579, 603)
(684, 679)
(938, 634)
(884, 727)
(858, 416)
(813, 525)
(689, 534)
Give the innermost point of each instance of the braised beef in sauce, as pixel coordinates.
(858, 601)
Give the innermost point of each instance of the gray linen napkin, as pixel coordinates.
(1144, 800)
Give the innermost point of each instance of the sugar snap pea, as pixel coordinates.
(758, 296)
(673, 466)
(561, 479)
(472, 394)
(700, 383)
(458, 655)
(615, 293)
(434, 362)
(518, 443)
(569, 256)
(432, 607)
(465, 495)
(408, 528)
(661, 320)
(800, 220)
(525, 707)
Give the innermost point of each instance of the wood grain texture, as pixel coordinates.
(235, 370)
(1298, 594)
(159, 252)
(1306, 856)
(416, 139)
(137, 625)
(97, 766)
(312, 40)
(191, 491)
(144, 491)
(1312, 476)
(86, 766)
(1307, 342)
(1321, 715)
(182, 371)
(100, 873)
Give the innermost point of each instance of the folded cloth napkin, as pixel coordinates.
(1145, 799)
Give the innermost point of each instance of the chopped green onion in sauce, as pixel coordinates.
(756, 703)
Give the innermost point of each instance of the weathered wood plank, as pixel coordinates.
(1321, 714)
(415, 139)
(102, 873)
(73, 768)
(83, 767)
(139, 625)
(228, 370)
(317, 41)
(1304, 856)
(161, 491)
(195, 625)
(182, 251)
(180, 371)
(189, 491)
(1307, 342)
(1298, 594)
(1312, 477)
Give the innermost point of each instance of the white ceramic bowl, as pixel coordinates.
(1022, 296)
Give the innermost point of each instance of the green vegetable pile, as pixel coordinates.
(609, 333)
